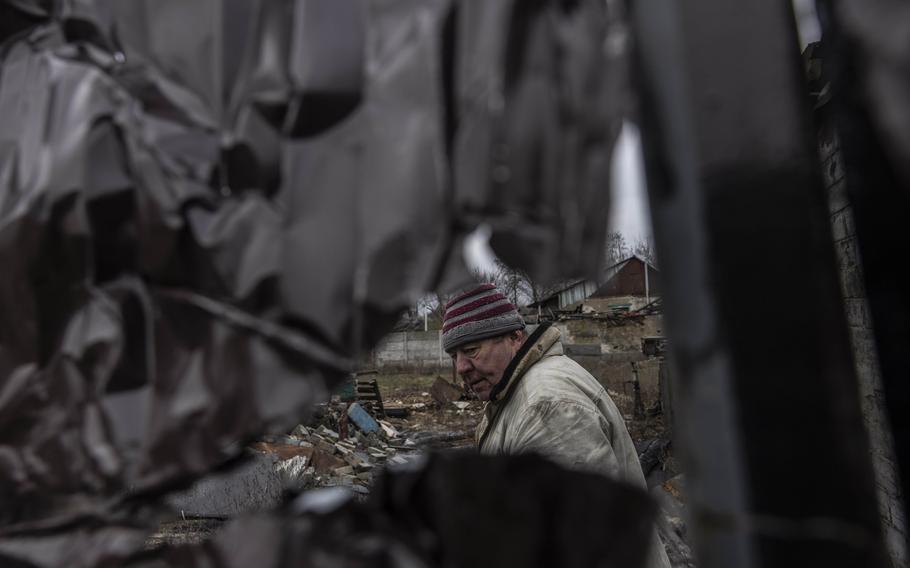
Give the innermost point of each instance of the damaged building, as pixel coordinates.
(628, 285)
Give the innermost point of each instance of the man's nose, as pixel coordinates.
(462, 364)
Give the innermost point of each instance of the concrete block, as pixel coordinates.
(582, 349)
(624, 357)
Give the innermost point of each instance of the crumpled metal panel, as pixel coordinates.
(376, 187)
(540, 106)
(453, 511)
(117, 378)
(153, 319)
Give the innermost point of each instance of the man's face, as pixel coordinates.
(480, 364)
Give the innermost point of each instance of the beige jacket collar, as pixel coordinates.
(540, 349)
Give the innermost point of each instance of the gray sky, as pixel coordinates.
(628, 195)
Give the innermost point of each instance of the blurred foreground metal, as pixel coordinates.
(740, 218)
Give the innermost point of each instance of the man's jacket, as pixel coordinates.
(552, 406)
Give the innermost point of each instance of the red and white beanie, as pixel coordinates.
(479, 313)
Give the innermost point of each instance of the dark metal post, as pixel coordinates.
(767, 406)
(880, 199)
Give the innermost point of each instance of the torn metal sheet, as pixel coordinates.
(378, 231)
(142, 340)
(462, 510)
(540, 93)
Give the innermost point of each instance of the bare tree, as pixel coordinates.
(644, 249)
(484, 276)
(537, 291)
(616, 249)
(519, 287)
(510, 282)
(434, 303)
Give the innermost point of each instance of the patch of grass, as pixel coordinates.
(402, 384)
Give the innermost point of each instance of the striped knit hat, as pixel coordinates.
(479, 313)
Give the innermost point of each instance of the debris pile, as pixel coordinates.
(346, 455)
(439, 416)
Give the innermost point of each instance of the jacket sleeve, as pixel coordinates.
(570, 434)
(578, 437)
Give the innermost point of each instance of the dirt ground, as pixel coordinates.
(448, 425)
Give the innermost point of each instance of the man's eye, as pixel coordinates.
(471, 352)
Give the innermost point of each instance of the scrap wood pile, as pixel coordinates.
(344, 448)
(584, 311)
(347, 443)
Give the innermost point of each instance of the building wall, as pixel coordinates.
(576, 293)
(617, 349)
(865, 356)
(609, 335)
(630, 281)
(410, 351)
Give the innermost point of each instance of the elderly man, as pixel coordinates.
(538, 399)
